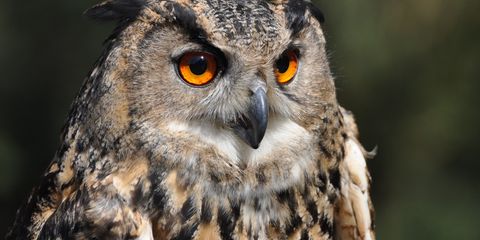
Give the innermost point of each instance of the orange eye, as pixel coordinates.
(286, 67)
(197, 68)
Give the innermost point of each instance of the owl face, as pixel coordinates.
(232, 65)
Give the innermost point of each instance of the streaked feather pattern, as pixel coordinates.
(145, 156)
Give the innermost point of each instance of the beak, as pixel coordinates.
(251, 128)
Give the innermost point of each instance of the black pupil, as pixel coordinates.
(198, 65)
(283, 63)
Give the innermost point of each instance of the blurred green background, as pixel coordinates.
(408, 69)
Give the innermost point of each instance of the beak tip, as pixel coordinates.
(255, 146)
(252, 141)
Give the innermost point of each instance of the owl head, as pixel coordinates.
(239, 68)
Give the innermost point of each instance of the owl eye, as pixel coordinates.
(197, 68)
(286, 67)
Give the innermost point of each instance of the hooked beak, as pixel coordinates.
(251, 128)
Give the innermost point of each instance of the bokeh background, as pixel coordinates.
(409, 70)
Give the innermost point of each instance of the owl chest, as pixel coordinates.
(288, 214)
(218, 189)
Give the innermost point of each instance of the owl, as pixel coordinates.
(206, 119)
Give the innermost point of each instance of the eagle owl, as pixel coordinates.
(206, 119)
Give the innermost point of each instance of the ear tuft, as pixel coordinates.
(316, 12)
(115, 10)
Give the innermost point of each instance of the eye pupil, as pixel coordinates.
(283, 64)
(197, 68)
(286, 67)
(198, 65)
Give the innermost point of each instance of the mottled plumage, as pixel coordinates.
(146, 156)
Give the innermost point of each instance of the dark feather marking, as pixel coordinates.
(310, 204)
(256, 203)
(138, 198)
(260, 175)
(206, 211)
(304, 235)
(292, 202)
(188, 210)
(241, 10)
(275, 224)
(186, 18)
(334, 176)
(236, 209)
(64, 186)
(316, 12)
(226, 223)
(186, 233)
(294, 223)
(326, 225)
(284, 196)
(159, 199)
(115, 10)
(322, 181)
(312, 209)
(324, 150)
(332, 197)
(214, 177)
(295, 220)
(295, 12)
(159, 195)
(80, 147)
